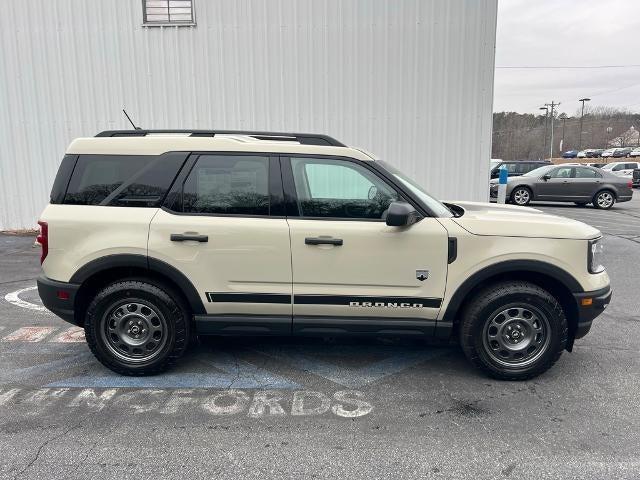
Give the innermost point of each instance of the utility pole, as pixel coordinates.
(546, 114)
(552, 105)
(581, 118)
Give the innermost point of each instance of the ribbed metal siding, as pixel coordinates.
(411, 80)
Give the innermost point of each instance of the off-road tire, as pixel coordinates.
(482, 308)
(168, 305)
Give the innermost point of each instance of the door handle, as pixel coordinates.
(183, 237)
(323, 241)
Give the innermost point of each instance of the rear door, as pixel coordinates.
(586, 183)
(350, 270)
(223, 227)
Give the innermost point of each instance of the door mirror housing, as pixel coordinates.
(546, 177)
(402, 214)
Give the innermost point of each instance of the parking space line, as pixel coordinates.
(29, 334)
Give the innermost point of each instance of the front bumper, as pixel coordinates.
(59, 297)
(590, 305)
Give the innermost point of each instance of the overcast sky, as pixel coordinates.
(567, 33)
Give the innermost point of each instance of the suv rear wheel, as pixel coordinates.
(513, 330)
(136, 328)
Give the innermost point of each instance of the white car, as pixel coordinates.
(635, 152)
(624, 169)
(150, 240)
(584, 153)
(608, 152)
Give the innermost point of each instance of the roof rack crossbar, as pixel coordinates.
(302, 138)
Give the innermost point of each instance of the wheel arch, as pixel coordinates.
(606, 188)
(560, 283)
(523, 185)
(102, 271)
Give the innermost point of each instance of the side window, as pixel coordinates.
(227, 184)
(512, 167)
(331, 188)
(586, 173)
(122, 180)
(562, 172)
(525, 167)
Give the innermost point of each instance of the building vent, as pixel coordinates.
(168, 12)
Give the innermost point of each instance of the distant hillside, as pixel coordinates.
(522, 135)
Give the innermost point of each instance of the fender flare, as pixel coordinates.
(147, 263)
(534, 266)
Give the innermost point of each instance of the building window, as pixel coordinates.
(168, 12)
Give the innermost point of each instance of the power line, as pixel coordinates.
(615, 90)
(551, 67)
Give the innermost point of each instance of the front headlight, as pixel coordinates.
(594, 257)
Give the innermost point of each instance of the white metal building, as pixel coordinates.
(411, 80)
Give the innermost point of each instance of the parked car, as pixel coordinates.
(583, 153)
(635, 152)
(151, 240)
(516, 167)
(562, 183)
(621, 168)
(622, 152)
(596, 165)
(595, 153)
(608, 153)
(570, 154)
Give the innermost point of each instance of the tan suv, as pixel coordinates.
(154, 237)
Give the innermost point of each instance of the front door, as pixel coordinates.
(558, 186)
(220, 229)
(347, 263)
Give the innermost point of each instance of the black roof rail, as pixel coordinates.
(302, 138)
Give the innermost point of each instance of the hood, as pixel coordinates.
(515, 221)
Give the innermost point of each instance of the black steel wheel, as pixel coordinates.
(513, 330)
(137, 328)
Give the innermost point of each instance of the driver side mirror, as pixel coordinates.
(546, 177)
(401, 214)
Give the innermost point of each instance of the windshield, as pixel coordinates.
(539, 171)
(609, 166)
(494, 163)
(431, 203)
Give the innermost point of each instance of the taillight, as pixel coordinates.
(43, 240)
(630, 184)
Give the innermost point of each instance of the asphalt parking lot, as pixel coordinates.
(320, 408)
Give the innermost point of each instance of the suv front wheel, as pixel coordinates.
(513, 330)
(136, 328)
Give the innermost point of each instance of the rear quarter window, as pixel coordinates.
(122, 180)
(62, 178)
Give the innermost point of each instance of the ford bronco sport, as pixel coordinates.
(154, 237)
